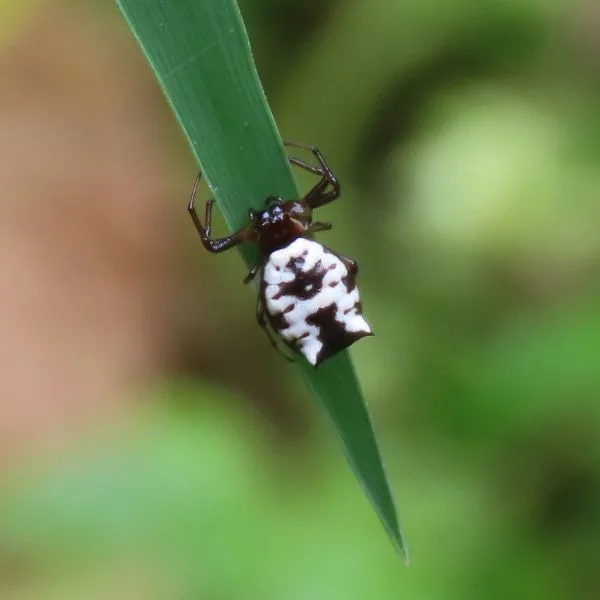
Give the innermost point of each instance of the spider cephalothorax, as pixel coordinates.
(281, 222)
(308, 293)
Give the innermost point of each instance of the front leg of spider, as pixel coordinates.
(215, 245)
(318, 196)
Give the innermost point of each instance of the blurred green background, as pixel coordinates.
(153, 446)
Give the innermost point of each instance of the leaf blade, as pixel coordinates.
(201, 55)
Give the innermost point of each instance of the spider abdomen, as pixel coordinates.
(311, 299)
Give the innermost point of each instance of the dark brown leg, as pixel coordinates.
(252, 273)
(319, 226)
(317, 196)
(215, 245)
(262, 321)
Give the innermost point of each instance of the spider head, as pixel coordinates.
(281, 222)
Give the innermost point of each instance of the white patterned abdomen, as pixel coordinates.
(312, 300)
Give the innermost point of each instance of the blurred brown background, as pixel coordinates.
(153, 445)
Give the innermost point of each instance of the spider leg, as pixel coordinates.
(252, 273)
(319, 226)
(317, 196)
(220, 244)
(262, 321)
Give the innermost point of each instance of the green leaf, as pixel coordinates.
(201, 55)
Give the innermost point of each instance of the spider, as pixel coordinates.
(308, 292)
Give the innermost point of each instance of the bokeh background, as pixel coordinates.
(153, 446)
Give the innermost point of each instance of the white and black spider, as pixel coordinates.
(308, 293)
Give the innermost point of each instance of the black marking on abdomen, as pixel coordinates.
(357, 307)
(332, 333)
(349, 281)
(305, 284)
(278, 321)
